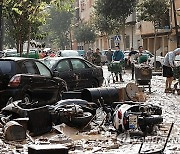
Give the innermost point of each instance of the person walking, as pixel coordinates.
(168, 68)
(89, 54)
(109, 55)
(97, 57)
(118, 56)
(131, 60)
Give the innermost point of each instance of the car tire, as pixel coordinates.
(78, 121)
(60, 93)
(26, 99)
(94, 84)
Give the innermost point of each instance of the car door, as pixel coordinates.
(34, 83)
(82, 73)
(51, 87)
(65, 72)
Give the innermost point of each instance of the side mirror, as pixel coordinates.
(55, 73)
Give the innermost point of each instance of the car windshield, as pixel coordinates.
(5, 67)
(49, 62)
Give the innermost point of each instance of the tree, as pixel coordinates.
(27, 16)
(85, 33)
(59, 26)
(115, 11)
(154, 11)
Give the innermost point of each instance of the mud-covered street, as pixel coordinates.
(101, 137)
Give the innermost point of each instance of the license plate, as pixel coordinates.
(132, 121)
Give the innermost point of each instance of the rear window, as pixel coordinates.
(6, 67)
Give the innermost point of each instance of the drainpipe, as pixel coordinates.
(175, 21)
(1, 37)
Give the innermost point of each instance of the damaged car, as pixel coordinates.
(28, 80)
(76, 71)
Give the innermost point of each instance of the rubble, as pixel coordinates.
(13, 131)
(99, 136)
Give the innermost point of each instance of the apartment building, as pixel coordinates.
(136, 33)
(85, 10)
(166, 34)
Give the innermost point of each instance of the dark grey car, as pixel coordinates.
(76, 71)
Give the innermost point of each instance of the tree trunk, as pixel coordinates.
(155, 38)
(29, 38)
(20, 45)
(123, 34)
(17, 44)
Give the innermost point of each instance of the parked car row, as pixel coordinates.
(33, 53)
(44, 81)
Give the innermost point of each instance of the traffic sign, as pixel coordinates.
(117, 39)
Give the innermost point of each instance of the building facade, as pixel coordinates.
(166, 34)
(136, 33)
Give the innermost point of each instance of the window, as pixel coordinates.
(43, 70)
(30, 67)
(63, 66)
(77, 64)
(6, 67)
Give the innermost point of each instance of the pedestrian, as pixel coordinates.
(131, 60)
(109, 55)
(96, 57)
(168, 66)
(118, 56)
(142, 55)
(52, 54)
(89, 54)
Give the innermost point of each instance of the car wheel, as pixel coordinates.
(60, 93)
(94, 84)
(26, 99)
(78, 121)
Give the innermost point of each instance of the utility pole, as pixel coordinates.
(1, 37)
(175, 21)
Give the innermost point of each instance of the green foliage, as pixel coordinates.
(58, 27)
(106, 25)
(116, 9)
(65, 5)
(26, 16)
(85, 33)
(153, 10)
(111, 15)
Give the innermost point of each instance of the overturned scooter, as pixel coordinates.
(138, 117)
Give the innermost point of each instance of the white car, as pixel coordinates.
(68, 53)
(159, 59)
(177, 60)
